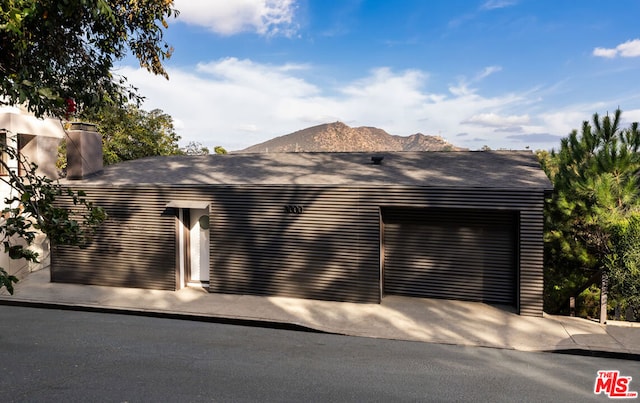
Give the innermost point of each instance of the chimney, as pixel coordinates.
(84, 151)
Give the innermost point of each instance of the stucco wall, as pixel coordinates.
(40, 139)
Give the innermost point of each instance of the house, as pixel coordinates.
(331, 226)
(37, 140)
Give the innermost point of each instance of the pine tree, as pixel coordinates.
(595, 178)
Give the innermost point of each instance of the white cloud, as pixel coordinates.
(488, 71)
(630, 48)
(563, 121)
(463, 86)
(494, 4)
(495, 120)
(247, 128)
(488, 5)
(237, 103)
(632, 115)
(265, 17)
(259, 78)
(603, 52)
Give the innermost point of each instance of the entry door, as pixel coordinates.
(198, 273)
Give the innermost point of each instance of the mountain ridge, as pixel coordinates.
(339, 137)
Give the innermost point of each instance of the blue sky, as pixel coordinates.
(504, 73)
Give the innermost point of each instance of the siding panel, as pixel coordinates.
(329, 251)
(133, 248)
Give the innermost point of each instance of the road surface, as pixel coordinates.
(54, 355)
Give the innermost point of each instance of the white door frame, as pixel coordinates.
(192, 239)
(198, 274)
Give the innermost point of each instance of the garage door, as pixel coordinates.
(450, 253)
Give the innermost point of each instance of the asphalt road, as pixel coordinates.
(54, 355)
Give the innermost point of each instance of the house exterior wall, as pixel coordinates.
(43, 151)
(43, 137)
(37, 140)
(135, 246)
(319, 242)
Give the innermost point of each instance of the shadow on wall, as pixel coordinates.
(319, 241)
(134, 247)
(300, 242)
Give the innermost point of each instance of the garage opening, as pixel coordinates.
(460, 254)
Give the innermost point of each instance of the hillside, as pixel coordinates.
(336, 137)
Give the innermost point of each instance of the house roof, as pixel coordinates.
(460, 169)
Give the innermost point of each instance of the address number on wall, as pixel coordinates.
(293, 209)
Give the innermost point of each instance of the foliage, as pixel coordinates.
(53, 52)
(195, 148)
(31, 208)
(588, 302)
(130, 133)
(624, 264)
(596, 191)
(219, 150)
(61, 160)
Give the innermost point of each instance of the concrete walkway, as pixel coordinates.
(401, 318)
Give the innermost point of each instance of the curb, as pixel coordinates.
(166, 315)
(267, 324)
(618, 355)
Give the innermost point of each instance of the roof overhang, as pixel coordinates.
(194, 204)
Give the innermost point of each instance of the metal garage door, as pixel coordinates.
(450, 253)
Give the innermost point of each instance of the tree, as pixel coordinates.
(55, 54)
(130, 133)
(624, 266)
(595, 175)
(195, 148)
(31, 208)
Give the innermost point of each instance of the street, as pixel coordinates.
(55, 355)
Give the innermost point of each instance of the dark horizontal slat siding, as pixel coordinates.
(328, 251)
(531, 262)
(528, 202)
(135, 247)
(450, 253)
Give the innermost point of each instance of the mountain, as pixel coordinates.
(336, 137)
